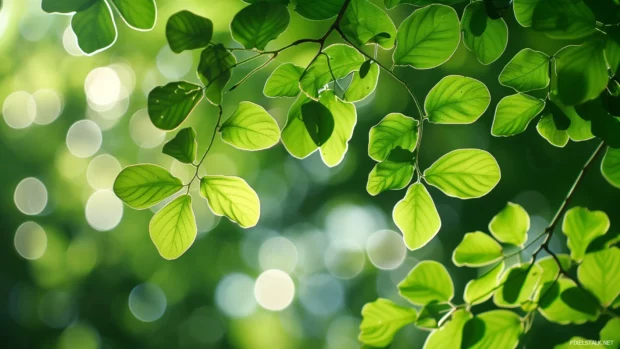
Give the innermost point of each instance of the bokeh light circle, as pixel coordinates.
(30, 196)
(233, 295)
(172, 65)
(321, 294)
(386, 249)
(104, 210)
(274, 290)
(278, 253)
(345, 259)
(19, 110)
(102, 171)
(69, 42)
(143, 132)
(30, 240)
(103, 88)
(79, 336)
(48, 106)
(84, 138)
(147, 302)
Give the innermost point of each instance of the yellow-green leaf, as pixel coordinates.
(381, 320)
(528, 70)
(250, 127)
(142, 186)
(284, 81)
(485, 36)
(514, 113)
(428, 281)
(345, 118)
(481, 289)
(477, 250)
(581, 226)
(256, 25)
(517, 285)
(600, 274)
(389, 175)
(173, 229)
(394, 130)
(416, 216)
(231, 197)
(450, 335)
(493, 329)
(510, 225)
(457, 100)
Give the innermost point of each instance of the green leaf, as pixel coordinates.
(318, 10)
(514, 113)
(319, 122)
(612, 48)
(600, 274)
(510, 225)
(284, 81)
(363, 21)
(142, 186)
(416, 216)
(256, 25)
(431, 314)
(65, 6)
(393, 3)
(343, 59)
(481, 289)
(183, 146)
(449, 336)
(389, 175)
(170, 105)
(579, 129)
(231, 197)
(581, 226)
(563, 19)
(477, 250)
(550, 273)
(524, 10)
(362, 87)
(457, 100)
(215, 70)
(344, 116)
(528, 70)
(393, 131)
(611, 331)
(428, 281)
(547, 129)
(517, 285)
(493, 329)
(250, 127)
(94, 27)
(295, 136)
(381, 320)
(464, 173)
(485, 36)
(187, 31)
(611, 167)
(138, 14)
(428, 38)
(173, 229)
(564, 303)
(581, 72)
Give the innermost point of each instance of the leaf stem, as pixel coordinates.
(202, 159)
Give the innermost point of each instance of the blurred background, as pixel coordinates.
(80, 271)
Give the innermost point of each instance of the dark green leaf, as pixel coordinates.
(188, 31)
(256, 25)
(581, 72)
(611, 167)
(524, 10)
(138, 14)
(318, 10)
(399, 154)
(170, 105)
(604, 125)
(183, 146)
(94, 27)
(318, 120)
(365, 68)
(393, 3)
(65, 6)
(563, 19)
(612, 48)
(215, 70)
(560, 119)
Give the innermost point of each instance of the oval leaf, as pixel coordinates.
(215, 70)
(449, 335)
(365, 23)
(173, 229)
(564, 303)
(94, 27)
(581, 226)
(381, 320)
(142, 186)
(393, 131)
(284, 81)
(485, 36)
(138, 14)
(547, 129)
(187, 31)
(477, 250)
(170, 105)
(600, 274)
(318, 10)
(344, 116)
(318, 120)
(254, 26)
(528, 70)
(362, 87)
(611, 167)
(295, 136)
(514, 113)
(183, 146)
(427, 282)
(581, 72)
(481, 289)
(231, 197)
(250, 128)
(416, 216)
(517, 285)
(389, 175)
(510, 225)
(457, 100)
(493, 329)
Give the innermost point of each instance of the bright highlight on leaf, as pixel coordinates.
(481, 289)
(188, 31)
(485, 36)
(256, 25)
(477, 250)
(393, 131)
(173, 229)
(600, 274)
(528, 70)
(514, 113)
(142, 186)
(215, 70)
(611, 167)
(428, 281)
(389, 175)
(231, 197)
(510, 225)
(464, 173)
(581, 226)
(381, 320)
(284, 81)
(183, 146)
(416, 216)
(251, 127)
(457, 100)
(170, 105)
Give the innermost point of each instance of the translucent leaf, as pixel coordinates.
(612, 48)
(563, 19)
(524, 10)
(394, 130)
(187, 31)
(450, 335)
(363, 21)
(284, 81)
(318, 10)
(381, 320)
(493, 329)
(170, 105)
(600, 274)
(528, 70)
(550, 272)
(581, 226)
(457, 100)
(485, 36)
(517, 285)
(142, 186)
(231, 197)
(611, 167)
(514, 113)
(464, 173)
(256, 25)
(477, 250)
(431, 314)
(427, 282)
(362, 87)
(344, 114)
(481, 289)
(173, 229)
(389, 175)
(611, 331)
(510, 225)
(250, 127)
(295, 136)
(579, 129)
(547, 129)
(138, 14)
(65, 6)
(416, 216)
(564, 303)
(318, 120)
(94, 27)
(183, 146)
(581, 72)
(215, 70)
(343, 59)
(428, 38)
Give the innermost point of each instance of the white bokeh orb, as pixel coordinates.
(274, 290)
(172, 65)
(103, 88)
(233, 295)
(102, 171)
(84, 138)
(30, 196)
(30, 240)
(19, 110)
(386, 249)
(104, 210)
(147, 302)
(49, 106)
(69, 42)
(345, 259)
(143, 132)
(278, 253)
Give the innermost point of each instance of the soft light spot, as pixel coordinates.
(233, 295)
(274, 290)
(19, 110)
(386, 249)
(278, 253)
(30, 196)
(345, 259)
(69, 42)
(48, 106)
(147, 302)
(102, 171)
(103, 88)
(30, 240)
(143, 132)
(174, 66)
(84, 138)
(79, 336)
(104, 210)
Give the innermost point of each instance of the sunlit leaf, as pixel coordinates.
(550, 272)
(563, 19)
(517, 285)
(343, 59)
(524, 10)
(457, 100)
(362, 87)
(431, 314)
(139, 14)
(428, 38)
(295, 136)
(65, 6)
(231, 197)
(481, 289)
(477, 250)
(389, 175)
(256, 25)
(493, 329)
(514, 113)
(416, 216)
(581, 226)
(611, 167)
(142, 186)
(547, 129)
(528, 70)
(284, 81)
(250, 127)
(611, 331)
(215, 70)
(564, 303)
(581, 72)
(173, 229)
(464, 173)
(318, 10)
(344, 116)
(449, 336)
(485, 36)
(183, 146)
(600, 274)
(363, 21)
(381, 320)
(394, 130)
(428, 281)
(579, 129)
(187, 31)
(94, 27)
(170, 105)
(510, 225)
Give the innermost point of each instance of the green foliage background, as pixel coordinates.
(535, 175)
